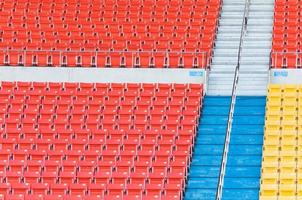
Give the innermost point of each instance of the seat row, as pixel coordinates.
(103, 59)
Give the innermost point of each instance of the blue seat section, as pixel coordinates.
(205, 166)
(242, 177)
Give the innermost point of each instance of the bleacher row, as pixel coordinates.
(108, 33)
(96, 141)
(281, 164)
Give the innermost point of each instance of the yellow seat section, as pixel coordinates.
(282, 145)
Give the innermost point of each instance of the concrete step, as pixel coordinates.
(259, 21)
(260, 7)
(253, 68)
(225, 62)
(220, 92)
(254, 61)
(226, 44)
(245, 92)
(253, 75)
(223, 68)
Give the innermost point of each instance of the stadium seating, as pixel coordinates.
(286, 35)
(242, 177)
(280, 177)
(208, 150)
(108, 33)
(96, 141)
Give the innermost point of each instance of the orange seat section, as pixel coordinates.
(96, 140)
(108, 33)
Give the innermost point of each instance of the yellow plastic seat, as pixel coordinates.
(272, 132)
(289, 116)
(288, 162)
(287, 149)
(288, 139)
(271, 159)
(273, 109)
(290, 88)
(269, 190)
(271, 140)
(289, 110)
(287, 191)
(273, 122)
(288, 181)
(289, 133)
(271, 150)
(288, 127)
(272, 127)
(273, 118)
(270, 169)
(274, 88)
(274, 101)
(286, 172)
(290, 100)
(269, 179)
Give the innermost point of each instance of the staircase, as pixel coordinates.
(225, 54)
(241, 180)
(256, 46)
(205, 166)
